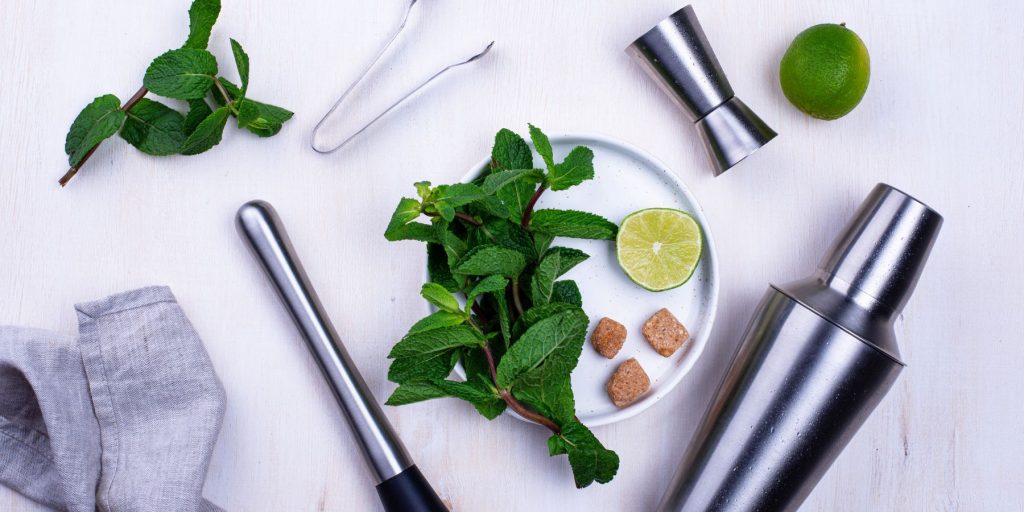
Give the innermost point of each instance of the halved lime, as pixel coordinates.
(659, 248)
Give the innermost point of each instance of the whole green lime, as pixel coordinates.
(825, 71)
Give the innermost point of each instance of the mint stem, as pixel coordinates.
(459, 215)
(515, 297)
(227, 97)
(468, 218)
(74, 169)
(490, 364)
(514, 404)
(526, 413)
(479, 312)
(528, 211)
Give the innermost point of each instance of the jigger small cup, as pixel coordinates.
(677, 55)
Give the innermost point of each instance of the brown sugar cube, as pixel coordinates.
(608, 337)
(627, 383)
(664, 332)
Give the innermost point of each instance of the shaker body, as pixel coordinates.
(797, 391)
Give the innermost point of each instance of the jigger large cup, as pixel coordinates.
(676, 53)
(818, 356)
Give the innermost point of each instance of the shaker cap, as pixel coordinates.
(884, 247)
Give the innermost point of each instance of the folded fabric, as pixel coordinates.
(122, 418)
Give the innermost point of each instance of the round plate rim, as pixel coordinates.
(711, 253)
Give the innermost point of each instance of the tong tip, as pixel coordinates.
(481, 54)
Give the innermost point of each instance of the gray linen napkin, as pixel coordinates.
(122, 418)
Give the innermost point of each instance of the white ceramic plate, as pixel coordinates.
(628, 179)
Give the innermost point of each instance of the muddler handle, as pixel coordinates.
(401, 486)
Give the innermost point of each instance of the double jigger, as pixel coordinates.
(678, 56)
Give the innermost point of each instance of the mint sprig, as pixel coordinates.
(189, 73)
(518, 330)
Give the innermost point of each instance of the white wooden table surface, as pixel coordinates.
(943, 119)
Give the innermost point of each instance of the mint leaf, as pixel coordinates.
(489, 284)
(567, 258)
(454, 248)
(413, 231)
(413, 392)
(552, 397)
(207, 134)
(567, 292)
(431, 366)
(504, 320)
(498, 179)
(516, 196)
(491, 259)
(435, 340)
(544, 278)
(555, 342)
(475, 364)
(458, 194)
(543, 145)
(423, 190)
(573, 224)
(233, 91)
(591, 462)
(95, 123)
(185, 73)
(508, 235)
(556, 446)
(198, 110)
(440, 297)
(406, 211)
(201, 17)
(446, 211)
(542, 241)
(560, 363)
(437, 320)
(248, 113)
(484, 398)
(269, 121)
(537, 313)
(510, 151)
(242, 63)
(491, 205)
(555, 263)
(577, 167)
(437, 267)
(154, 128)
(270, 118)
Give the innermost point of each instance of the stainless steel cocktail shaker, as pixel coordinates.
(818, 356)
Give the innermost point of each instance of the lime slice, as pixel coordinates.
(659, 248)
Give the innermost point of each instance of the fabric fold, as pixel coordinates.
(123, 418)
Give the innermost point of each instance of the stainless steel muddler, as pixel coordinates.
(677, 55)
(400, 485)
(818, 356)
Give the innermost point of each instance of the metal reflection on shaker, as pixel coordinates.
(676, 53)
(817, 358)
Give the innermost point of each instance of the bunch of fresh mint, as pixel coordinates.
(520, 331)
(188, 73)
